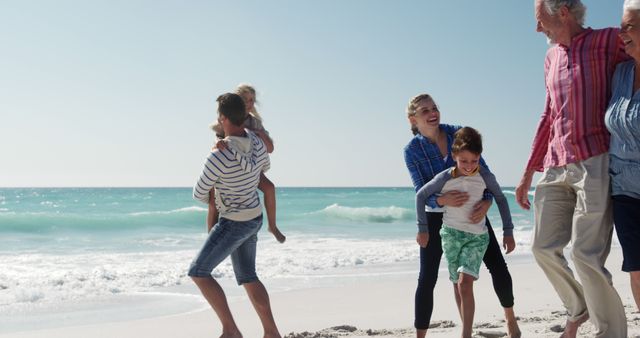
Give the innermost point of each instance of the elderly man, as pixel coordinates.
(571, 148)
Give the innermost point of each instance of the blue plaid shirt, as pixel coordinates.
(424, 161)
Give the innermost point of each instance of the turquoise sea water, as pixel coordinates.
(62, 246)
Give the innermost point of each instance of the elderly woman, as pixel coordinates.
(623, 121)
(427, 154)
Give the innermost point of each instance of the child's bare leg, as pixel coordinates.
(212, 214)
(269, 191)
(456, 293)
(468, 304)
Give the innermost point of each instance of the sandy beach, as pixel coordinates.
(380, 306)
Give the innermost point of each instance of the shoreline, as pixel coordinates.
(180, 299)
(350, 305)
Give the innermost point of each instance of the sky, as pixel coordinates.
(121, 92)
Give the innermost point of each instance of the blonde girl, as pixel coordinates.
(253, 123)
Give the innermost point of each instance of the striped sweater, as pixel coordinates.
(235, 174)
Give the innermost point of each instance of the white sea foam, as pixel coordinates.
(92, 254)
(166, 241)
(54, 278)
(367, 214)
(180, 210)
(513, 192)
(50, 203)
(29, 279)
(41, 278)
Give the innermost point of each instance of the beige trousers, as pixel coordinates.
(572, 203)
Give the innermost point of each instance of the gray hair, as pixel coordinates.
(575, 7)
(631, 5)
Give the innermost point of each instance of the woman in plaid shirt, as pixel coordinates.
(426, 155)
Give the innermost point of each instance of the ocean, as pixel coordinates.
(77, 255)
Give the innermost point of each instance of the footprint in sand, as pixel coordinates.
(442, 324)
(489, 334)
(557, 328)
(487, 326)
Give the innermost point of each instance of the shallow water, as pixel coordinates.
(71, 251)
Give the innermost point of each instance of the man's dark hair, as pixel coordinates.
(467, 139)
(232, 106)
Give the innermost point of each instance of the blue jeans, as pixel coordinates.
(234, 238)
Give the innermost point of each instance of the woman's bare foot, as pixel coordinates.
(277, 234)
(512, 323)
(513, 329)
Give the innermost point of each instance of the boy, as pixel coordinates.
(463, 241)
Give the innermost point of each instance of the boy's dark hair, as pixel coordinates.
(232, 107)
(467, 139)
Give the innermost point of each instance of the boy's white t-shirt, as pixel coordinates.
(458, 218)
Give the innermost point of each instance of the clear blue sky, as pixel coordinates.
(120, 93)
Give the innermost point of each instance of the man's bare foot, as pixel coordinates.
(277, 234)
(272, 335)
(571, 328)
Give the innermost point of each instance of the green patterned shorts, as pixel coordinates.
(464, 251)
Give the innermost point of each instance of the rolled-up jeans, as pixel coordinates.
(235, 238)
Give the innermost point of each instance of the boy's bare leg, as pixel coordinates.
(468, 304)
(456, 293)
(214, 294)
(212, 214)
(269, 191)
(260, 300)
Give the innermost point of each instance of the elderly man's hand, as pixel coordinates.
(522, 190)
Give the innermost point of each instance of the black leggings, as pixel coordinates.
(430, 263)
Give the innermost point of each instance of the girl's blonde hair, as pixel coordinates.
(413, 105)
(244, 88)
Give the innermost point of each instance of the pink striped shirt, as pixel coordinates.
(578, 82)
